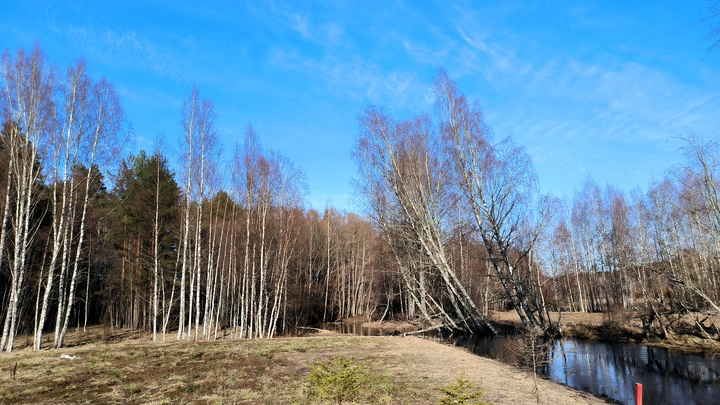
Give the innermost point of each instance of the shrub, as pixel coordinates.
(461, 392)
(342, 379)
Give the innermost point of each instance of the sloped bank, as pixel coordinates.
(607, 359)
(260, 371)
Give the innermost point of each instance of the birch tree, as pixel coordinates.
(88, 121)
(99, 142)
(268, 188)
(26, 103)
(199, 153)
(699, 203)
(409, 191)
(498, 185)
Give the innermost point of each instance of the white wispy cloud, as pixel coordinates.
(424, 54)
(164, 54)
(501, 59)
(324, 34)
(355, 78)
(616, 121)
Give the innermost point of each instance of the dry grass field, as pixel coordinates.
(122, 367)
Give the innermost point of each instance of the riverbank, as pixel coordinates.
(127, 367)
(587, 326)
(620, 327)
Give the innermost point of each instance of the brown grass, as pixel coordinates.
(135, 370)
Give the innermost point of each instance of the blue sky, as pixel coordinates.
(597, 89)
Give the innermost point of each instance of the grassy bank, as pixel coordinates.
(268, 371)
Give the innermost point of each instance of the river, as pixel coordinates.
(606, 369)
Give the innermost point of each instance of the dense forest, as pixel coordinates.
(207, 248)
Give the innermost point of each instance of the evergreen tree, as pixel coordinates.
(146, 218)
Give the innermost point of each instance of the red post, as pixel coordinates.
(638, 394)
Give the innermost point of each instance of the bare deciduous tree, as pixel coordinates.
(199, 157)
(27, 89)
(92, 127)
(407, 185)
(498, 186)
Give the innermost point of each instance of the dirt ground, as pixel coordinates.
(392, 326)
(503, 384)
(573, 323)
(567, 318)
(505, 321)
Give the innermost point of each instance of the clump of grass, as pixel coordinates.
(133, 388)
(343, 379)
(461, 392)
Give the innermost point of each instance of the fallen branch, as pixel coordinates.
(705, 332)
(436, 327)
(315, 329)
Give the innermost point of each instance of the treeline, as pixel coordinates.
(214, 248)
(653, 254)
(203, 248)
(452, 201)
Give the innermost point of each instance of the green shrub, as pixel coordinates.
(342, 379)
(460, 392)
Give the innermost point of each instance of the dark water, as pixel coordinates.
(608, 369)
